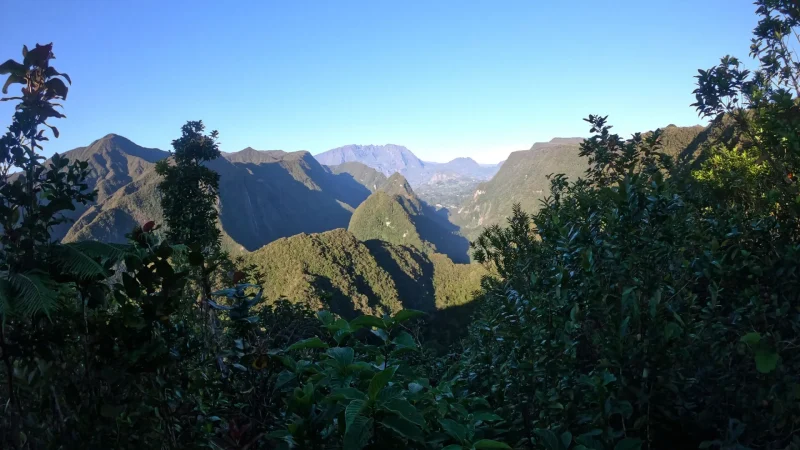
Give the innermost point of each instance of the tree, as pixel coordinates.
(190, 189)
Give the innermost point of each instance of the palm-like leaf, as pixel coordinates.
(32, 293)
(84, 259)
(5, 300)
(97, 249)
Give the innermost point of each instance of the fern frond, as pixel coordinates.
(5, 300)
(33, 293)
(75, 262)
(103, 250)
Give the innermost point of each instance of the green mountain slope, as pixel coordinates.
(336, 270)
(326, 270)
(396, 215)
(361, 173)
(522, 178)
(264, 195)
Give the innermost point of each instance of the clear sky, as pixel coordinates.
(444, 78)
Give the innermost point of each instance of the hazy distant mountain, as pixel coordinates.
(264, 195)
(390, 158)
(387, 159)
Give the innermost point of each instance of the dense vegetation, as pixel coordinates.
(651, 304)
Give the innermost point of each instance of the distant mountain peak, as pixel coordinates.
(388, 158)
(398, 185)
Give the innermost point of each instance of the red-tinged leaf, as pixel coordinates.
(238, 276)
(11, 80)
(39, 55)
(148, 227)
(12, 67)
(52, 72)
(57, 88)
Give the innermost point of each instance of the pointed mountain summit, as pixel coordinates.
(396, 215)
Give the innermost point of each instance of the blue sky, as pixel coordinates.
(444, 78)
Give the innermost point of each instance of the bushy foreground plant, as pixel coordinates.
(647, 307)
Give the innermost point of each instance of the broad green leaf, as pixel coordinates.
(359, 433)
(381, 334)
(454, 429)
(404, 340)
(414, 387)
(548, 439)
(111, 411)
(566, 439)
(402, 427)
(349, 393)
(283, 378)
(313, 342)
(752, 338)
(325, 317)
(407, 314)
(672, 330)
(366, 321)
(766, 360)
(352, 411)
(486, 416)
(489, 444)
(342, 355)
(405, 410)
(629, 444)
(379, 380)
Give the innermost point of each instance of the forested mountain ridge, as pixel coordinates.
(396, 215)
(264, 195)
(523, 176)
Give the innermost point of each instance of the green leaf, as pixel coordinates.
(381, 334)
(352, 411)
(407, 314)
(359, 433)
(404, 340)
(566, 439)
(402, 427)
(111, 411)
(405, 410)
(414, 387)
(349, 393)
(752, 338)
(35, 293)
(366, 321)
(672, 330)
(629, 444)
(453, 447)
(548, 439)
(342, 355)
(325, 317)
(71, 260)
(5, 301)
(454, 429)
(313, 342)
(379, 380)
(766, 360)
(488, 443)
(486, 416)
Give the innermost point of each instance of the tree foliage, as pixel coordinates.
(651, 304)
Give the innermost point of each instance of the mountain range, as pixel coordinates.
(390, 158)
(357, 235)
